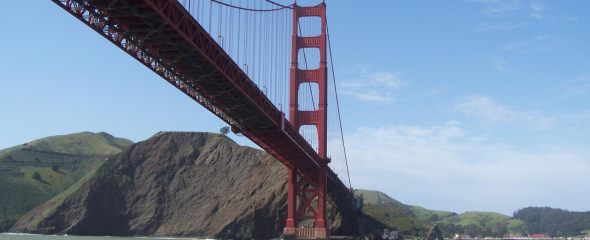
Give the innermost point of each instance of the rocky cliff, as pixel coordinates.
(179, 184)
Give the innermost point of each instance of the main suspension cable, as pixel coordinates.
(253, 9)
(280, 5)
(338, 105)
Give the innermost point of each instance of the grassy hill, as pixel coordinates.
(428, 215)
(34, 172)
(415, 221)
(375, 197)
(389, 213)
(481, 219)
(484, 224)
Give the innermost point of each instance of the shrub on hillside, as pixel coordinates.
(37, 177)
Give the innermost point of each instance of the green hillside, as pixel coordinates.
(481, 219)
(415, 220)
(34, 172)
(84, 143)
(390, 213)
(484, 224)
(428, 215)
(374, 197)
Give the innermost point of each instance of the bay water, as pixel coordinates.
(24, 236)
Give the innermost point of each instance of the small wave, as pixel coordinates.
(172, 238)
(65, 236)
(21, 234)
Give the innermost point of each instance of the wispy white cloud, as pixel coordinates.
(373, 86)
(539, 43)
(483, 1)
(436, 90)
(577, 121)
(534, 9)
(388, 80)
(370, 96)
(538, 10)
(446, 167)
(500, 26)
(490, 111)
(571, 19)
(501, 7)
(578, 86)
(498, 62)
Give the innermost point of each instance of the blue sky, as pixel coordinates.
(453, 105)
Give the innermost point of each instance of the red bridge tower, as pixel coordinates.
(307, 197)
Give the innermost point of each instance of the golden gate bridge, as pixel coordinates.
(263, 67)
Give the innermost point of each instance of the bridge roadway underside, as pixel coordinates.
(163, 36)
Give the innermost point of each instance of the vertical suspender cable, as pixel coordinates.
(253, 52)
(210, 15)
(246, 37)
(277, 53)
(258, 64)
(239, 35)
(220, 27)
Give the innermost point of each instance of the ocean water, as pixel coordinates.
(24, 236)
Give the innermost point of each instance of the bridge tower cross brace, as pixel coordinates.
(307, 197)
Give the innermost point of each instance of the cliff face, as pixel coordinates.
(179, 184)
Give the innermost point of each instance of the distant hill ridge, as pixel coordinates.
(33, 172)
(70, 169)
(391, 213)
(415, 220)
(180, 184)
(555, 222)
(83, 143)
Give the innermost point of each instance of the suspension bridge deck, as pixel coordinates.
(163, 36)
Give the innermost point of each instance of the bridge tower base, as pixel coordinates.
(306, 215)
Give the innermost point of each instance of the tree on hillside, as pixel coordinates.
(473, 230)
(435, 233)
(449, 230)
(224, 130)
(554, 222)
(433, 218)
(499, 230)
(57, 169)
(37, 176)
